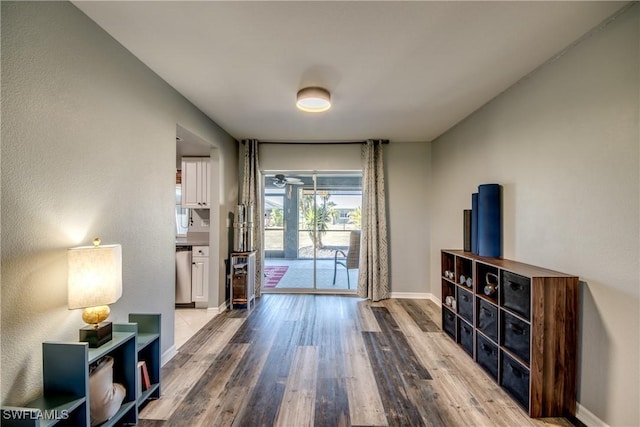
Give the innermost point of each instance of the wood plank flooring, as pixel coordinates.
(327, 360)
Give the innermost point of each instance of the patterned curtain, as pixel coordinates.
(373, 276)
(252, 196)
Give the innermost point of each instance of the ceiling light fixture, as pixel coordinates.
(313, 99)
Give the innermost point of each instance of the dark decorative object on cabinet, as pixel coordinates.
(489, 221)
(474, 223)
(96, 335)
(467, 229)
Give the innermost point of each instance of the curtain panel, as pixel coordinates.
(373, 276)
(252, 196)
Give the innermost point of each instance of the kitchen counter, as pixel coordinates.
(193, 239)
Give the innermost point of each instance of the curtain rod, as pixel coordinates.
(384, 141)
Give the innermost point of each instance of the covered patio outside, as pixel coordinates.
(306, 224)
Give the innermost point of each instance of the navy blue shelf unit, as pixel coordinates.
(65, 370)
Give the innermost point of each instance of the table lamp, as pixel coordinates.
(95, 280)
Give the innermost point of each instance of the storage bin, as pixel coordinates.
(487, 355)
(516, 293)
(488, 319)
(515, 379)
(465, 304)
(449, 322)
(465, 336)
(516, 334)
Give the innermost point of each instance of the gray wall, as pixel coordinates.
(408, 195)
(407, 178)
(564, 143)
(88, 149)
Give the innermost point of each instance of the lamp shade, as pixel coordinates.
(95, 276)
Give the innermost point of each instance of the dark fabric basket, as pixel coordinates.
(487, 355)
(465, 336)
(516, 293)
(449, 322)
(516, 334)
(515, 379)
(465, 304)
(488, 319)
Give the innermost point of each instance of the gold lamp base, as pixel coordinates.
(95, 315)
(97, 332)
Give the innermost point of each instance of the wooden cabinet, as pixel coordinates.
(65, 370)
(196, 178)
(200, 274)
(242, 291)
(519, 323)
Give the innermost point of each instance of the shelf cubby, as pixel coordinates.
(448, 266)
(487, 282)
(464, 270)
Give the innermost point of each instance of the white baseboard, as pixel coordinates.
(415, 295)
(435, 299)
(217, 310)
(587, 417)
(168, 355)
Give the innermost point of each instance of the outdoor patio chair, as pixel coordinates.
(351, 257)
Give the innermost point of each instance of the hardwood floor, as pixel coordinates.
(326, 360)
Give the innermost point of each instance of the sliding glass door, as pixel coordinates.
(311, 233)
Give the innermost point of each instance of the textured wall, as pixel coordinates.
(408, 192)
(88, 149)
(564, 143)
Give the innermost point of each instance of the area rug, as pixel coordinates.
(273, 275)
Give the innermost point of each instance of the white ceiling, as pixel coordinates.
(404, 71)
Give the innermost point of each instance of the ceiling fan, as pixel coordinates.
(281, 180)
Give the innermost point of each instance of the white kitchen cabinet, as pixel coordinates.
(196, 175)
(200, 274)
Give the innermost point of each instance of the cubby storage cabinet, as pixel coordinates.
(243, 266)
(519, 323)
(66, 399)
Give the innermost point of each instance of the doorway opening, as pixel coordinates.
(196, 227)
(311, 231)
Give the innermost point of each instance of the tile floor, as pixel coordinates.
(300, 275)
(188, 321)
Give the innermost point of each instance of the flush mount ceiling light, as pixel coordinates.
(313, 99)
